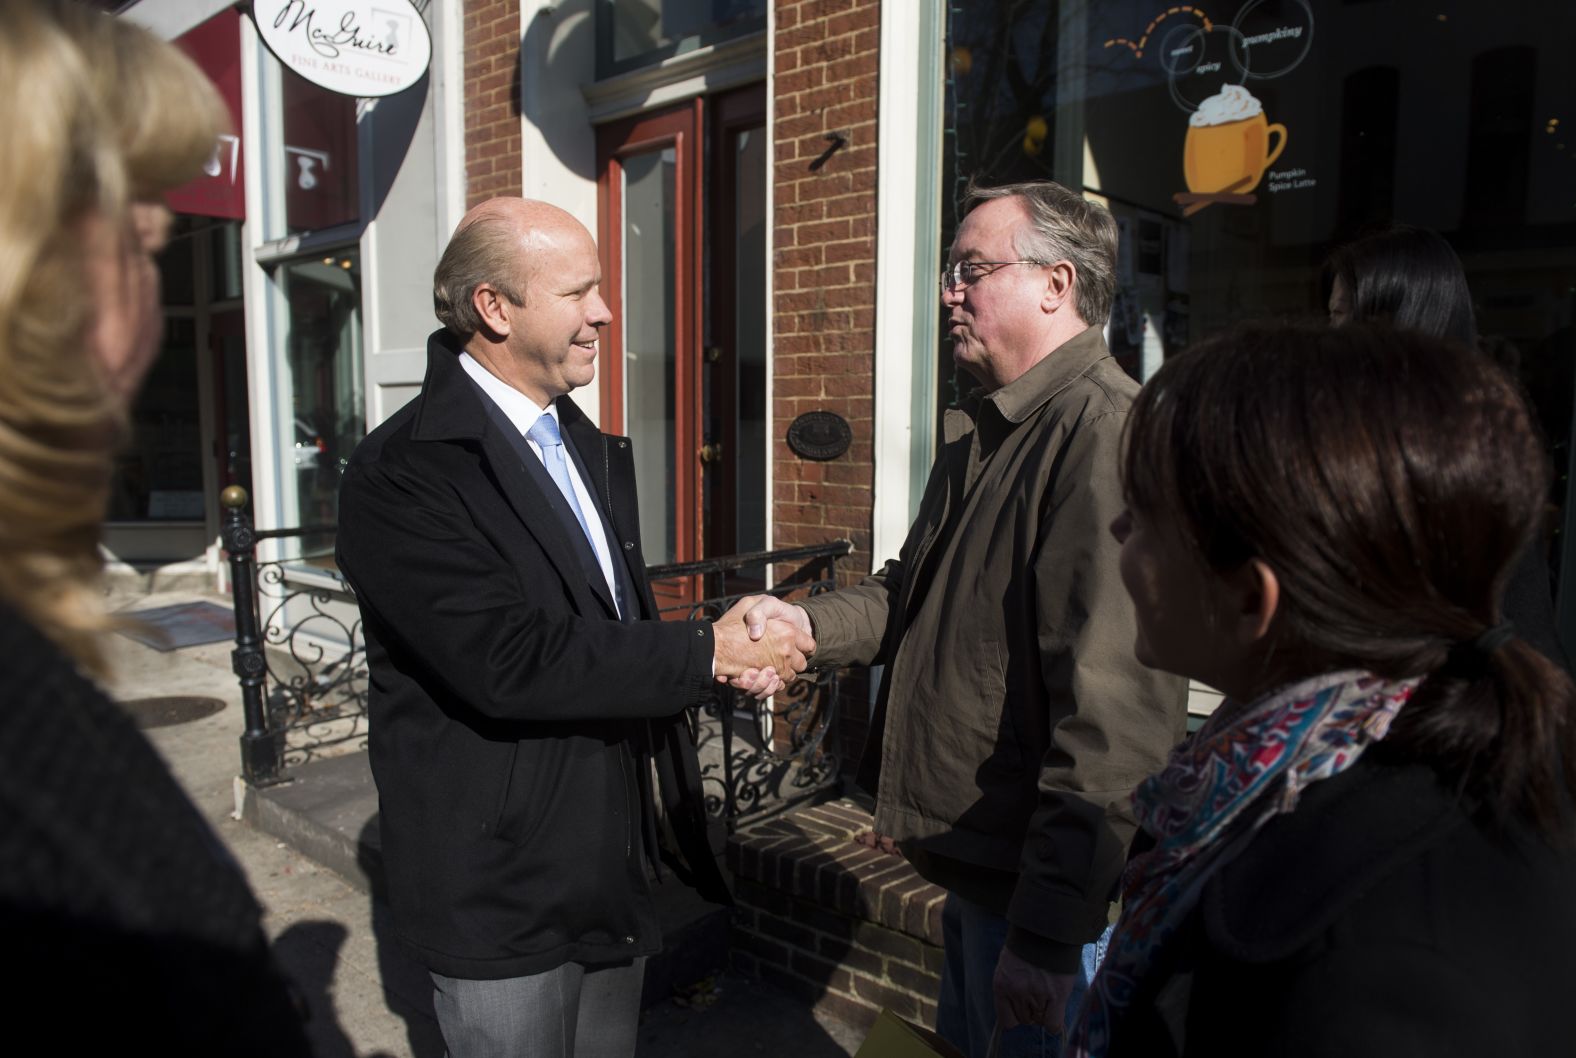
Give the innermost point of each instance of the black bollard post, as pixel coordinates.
(262, 751)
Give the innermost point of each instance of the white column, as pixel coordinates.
(907, 263)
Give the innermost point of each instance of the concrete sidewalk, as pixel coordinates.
(332, 936)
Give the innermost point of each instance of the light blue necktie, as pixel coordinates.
(545, 433)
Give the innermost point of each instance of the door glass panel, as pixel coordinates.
(158, 476)
(323, 408)
(750, 340)
(649, 341)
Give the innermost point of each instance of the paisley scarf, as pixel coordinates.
(1244, 767)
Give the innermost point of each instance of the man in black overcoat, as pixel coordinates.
(522, 690)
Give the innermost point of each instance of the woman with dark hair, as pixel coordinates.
(1407, 277)
(1411, 279)
(1367, 849)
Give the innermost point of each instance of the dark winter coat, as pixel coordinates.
(1379, 918)
(514, 716)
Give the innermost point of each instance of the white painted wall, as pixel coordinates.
(557, 141)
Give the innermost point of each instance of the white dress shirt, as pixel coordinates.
(523, 412)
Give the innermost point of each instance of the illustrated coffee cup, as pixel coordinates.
(1228, 143)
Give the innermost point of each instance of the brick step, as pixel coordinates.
(846, 928)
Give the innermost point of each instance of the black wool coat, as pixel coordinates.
(1380, 918)
(514, 717)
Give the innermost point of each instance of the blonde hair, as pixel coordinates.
(98, 113)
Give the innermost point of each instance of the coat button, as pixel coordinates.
(629, 545)
(629, 940)
(623, 444)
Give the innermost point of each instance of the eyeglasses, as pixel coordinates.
(967, 273)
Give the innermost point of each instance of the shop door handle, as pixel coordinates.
(710, 453)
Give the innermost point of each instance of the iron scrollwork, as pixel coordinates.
(782, 757)
(316, 663)
(301, 659)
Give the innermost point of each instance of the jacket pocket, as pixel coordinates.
(532, 789)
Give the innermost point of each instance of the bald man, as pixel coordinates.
(523, 691)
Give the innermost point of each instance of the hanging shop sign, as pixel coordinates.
(353, 47)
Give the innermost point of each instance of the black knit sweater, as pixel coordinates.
(124, 921)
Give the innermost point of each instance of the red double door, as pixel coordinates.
(682, 216)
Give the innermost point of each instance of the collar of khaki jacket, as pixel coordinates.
(1026, 394)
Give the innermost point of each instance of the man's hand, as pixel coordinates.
(758, 609)
(1029, 996)
(880, 842)
(758, 660)
(761, 613)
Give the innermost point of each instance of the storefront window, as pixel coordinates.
(321, 175)
(632, 33)
(1237, 145)
(158, 475)
(322, 406)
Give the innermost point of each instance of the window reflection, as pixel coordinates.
(649, 343)
(750, 338)
(323, 410)
(320, 157)
(634, 32)
(1380, 113)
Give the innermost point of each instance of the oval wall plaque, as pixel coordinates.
(819, 435)
(353, 47)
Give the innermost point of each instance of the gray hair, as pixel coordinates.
(1064, 226)
(483, 251)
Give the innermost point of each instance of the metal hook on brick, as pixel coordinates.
(838, 140)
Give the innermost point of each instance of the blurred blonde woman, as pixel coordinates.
(101, 120)
(124, 919)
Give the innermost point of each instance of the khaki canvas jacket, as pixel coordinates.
(1013, 721)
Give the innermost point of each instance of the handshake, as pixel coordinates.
(761, 645)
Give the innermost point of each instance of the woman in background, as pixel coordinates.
(1410, 278)
(126, 923)
(1407, 277)
(1367, 849)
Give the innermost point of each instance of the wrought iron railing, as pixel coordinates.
(299, 652)
(301, 662)
(785, 757)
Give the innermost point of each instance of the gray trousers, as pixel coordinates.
(572, 1012)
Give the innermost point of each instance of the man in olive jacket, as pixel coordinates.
(522, 690)
(1013, 721)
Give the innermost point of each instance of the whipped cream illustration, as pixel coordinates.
(1231, 103)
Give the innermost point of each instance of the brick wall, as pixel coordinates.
(845, 928)
(826, 58)
(492, 99)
